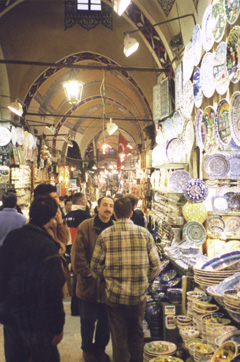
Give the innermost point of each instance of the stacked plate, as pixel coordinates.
(157, 349)
(204, 278)
(192, 297)
(231, 298)
(217, 290)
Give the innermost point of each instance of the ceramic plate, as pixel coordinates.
(198, 123)
(196, 45)
(217, 165)
(234, 202)
(5, 136)
(188, 136)
(207, 29)
(215, 225)
(220, 71)
(187, 62)
(234, 117)
(232, 8)
(197, 88)
(194, 212)
(175, 150)
(194, 232)
(232, 224)
(218, 19)
(168, 129)
(178, 180)
(220, 203)
(169, 275)
(233, 56)
(188, 101)
(20, 136)
(207, 80)
(196, 190)
(160, 347)
(234, 161)
(14, 136)
(223, 190)
(178, 86)
(208, 133)
(158, 156)
(178, 121)
(222, 123)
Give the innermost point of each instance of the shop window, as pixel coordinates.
(89, 5)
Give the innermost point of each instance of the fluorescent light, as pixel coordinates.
(120, 6)
(16, 108)
(111, 127)
(130, 45)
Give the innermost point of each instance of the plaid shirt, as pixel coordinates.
(126, 256)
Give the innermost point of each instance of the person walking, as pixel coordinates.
(31, 282)
(125, 255)
(91, 292)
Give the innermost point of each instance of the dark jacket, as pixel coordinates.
(75, 217)
(31, 281)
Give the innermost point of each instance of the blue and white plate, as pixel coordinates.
(217, 166)
(197, 88)
(196, 190)
(207, 29)
(178, 180)
(207, 79)
(196, 45)
(234, 161)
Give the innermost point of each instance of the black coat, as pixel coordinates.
(75, 217)
(31, 281)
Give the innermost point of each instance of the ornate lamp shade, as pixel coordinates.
(73, 91)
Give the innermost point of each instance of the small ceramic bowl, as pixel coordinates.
(205, 306)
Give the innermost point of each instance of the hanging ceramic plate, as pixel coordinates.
(232, 224)
(178, 180)
(207, 80)
(216, 225)
(20, 136)
(232, 8)
(188, 101)
(196, 45)
(195, 212)
(217, 166)
(197, 88)
(194, 232)
(219, 19)
(234, 202)
(5, 136)
(196, 190)
(222, 124)
(188, 136)
(220, 72)
(168, 129)
(178, 86)
(208, 133)
(175, 150)
(220, 203)
(235, 118)
(234, 161)
(178, 121)
(187, 62)
(158, 156)
(207, 29)
(198, 122)
(233, 55)
(14, 136)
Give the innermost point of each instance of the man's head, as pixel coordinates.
(9, 199)
(42, 210)
(133, 199)
(79, 199)
(123, 208)
(46, 189)
(105, 208)
(68, 204)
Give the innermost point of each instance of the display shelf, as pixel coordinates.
(227, 213)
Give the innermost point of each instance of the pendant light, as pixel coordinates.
(73, 89)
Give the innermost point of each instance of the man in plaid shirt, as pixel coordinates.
(126, 257)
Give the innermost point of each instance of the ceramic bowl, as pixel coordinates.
(231, 297)
(169, 275)
(234, 315)
(222, 262)
(205, 298)
(233, 335)
(205, 306)
(166, 359)
(193, 295)
(203, 348)
(183, 319)
(226, 352)
(189, 332)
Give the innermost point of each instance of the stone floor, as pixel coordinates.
(69, 348)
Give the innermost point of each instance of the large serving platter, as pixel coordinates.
(233, 54)
(195, 212)
(178, 180)
(168, 129)
(232, 8)
(222, 123)
(207, 29)
(5, 136)
(232, 224)
(194, 232)
(217, 165)
(14, 136)
(196, 45)
(175, 150)
(218, 19)
(20, 136)
(220, 71)
(207, 79)
(197, 88)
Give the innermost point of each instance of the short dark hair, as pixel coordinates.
(42, 209)
(67, 200)
(77, 196)
(134, 199)
(44, 189)
(103, 197)
(123, 207)
(9, 199)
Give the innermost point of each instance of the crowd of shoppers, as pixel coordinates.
(112, 259)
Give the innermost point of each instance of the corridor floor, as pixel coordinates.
(70, 347)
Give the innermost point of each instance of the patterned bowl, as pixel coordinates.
(226, 352)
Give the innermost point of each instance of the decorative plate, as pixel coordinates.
(197, 88)
(195, 212)
(234, 161)
(168, 130)
(14, 136)
(160, 347)
(219, 19)
(217, 165)
(234, 202)
(196, 45)
(187, 62)
(188, 136)
(222, 123)
(233, 54)
(207, 29)
(194, 232)
(198, 122)
(178, 180)
(175, 150)
(232, 224)
(207, 80)
(169, 275)
(220, 71)
(196, 190)
(20, 136)
(233, 145)
(232, 8)
(216, 225)
(234, 117)
(223, 190)
(188, 99)
(178, 121)
(208, 133)
(158, 156)
(5, 136)
(220, 203)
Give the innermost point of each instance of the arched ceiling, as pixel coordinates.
(33, 31)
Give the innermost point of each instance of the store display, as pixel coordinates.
(197, 88)
(194, 232)
(232, 8)
(220, 71)
(196, 190)
(234, 161)
(216, 165)
(233, 54)
(188, 101)
(178, 121)
(175, 150)
(218, 19)
(187, 62)
(5, 136)
(207, 79)
(178, 180)
(207, 29)
(196, 45)
(222, 123)
(195, 212)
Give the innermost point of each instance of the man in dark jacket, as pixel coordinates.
(31, 282)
